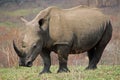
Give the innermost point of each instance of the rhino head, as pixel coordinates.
(36, 34)
(32, 43)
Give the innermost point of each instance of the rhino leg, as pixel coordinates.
(63, 51)
(96, 57)
(47, 61)
(96, 53)
(91, 56)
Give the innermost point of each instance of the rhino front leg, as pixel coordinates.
(63, 51)
(47, 61)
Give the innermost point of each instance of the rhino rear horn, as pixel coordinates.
(18, 52)
(23, 19)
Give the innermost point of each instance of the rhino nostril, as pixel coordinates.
(29, 64)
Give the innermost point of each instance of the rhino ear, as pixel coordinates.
(43, 24)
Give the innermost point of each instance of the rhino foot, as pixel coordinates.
(63, 70)
(91, 68)
(43, 72)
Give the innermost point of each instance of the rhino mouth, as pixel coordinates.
(27, 64)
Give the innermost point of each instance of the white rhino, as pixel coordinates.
(65, 31)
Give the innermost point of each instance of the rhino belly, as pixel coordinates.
(85, 42)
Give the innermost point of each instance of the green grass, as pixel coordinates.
(77, 73)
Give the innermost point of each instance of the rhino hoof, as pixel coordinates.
(91, 68)
(63, 70)
(43, 72)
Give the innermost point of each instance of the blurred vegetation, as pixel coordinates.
(8, 24)
(22, 12)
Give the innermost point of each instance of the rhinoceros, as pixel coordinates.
(65, 31)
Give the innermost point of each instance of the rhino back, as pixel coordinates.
(81, 27)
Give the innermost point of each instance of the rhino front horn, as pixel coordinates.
(18, 52)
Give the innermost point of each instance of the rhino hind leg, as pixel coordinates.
(93, 61)
(94, 57)
(47, 61)
(91, 56)
(96, 53)
(63, 51)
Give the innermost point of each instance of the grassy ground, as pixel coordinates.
(77, 73)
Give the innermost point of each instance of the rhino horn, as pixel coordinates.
(18, 52)
(23, 19)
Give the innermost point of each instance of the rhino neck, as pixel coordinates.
(47, 40)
